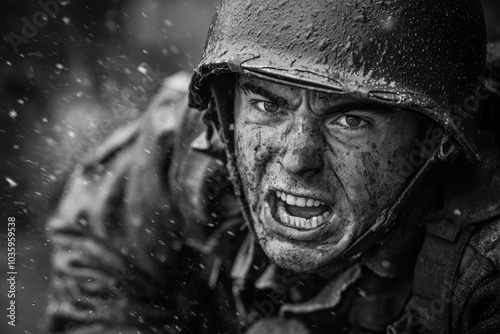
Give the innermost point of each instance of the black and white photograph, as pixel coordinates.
(250, 166)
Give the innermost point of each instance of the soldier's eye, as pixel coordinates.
(267, 106)
(351, 121)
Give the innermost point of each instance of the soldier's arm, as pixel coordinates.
(115, 232)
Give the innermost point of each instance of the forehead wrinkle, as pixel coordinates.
(320, 103)
(339, 105)
(280, 94)
(334, 104)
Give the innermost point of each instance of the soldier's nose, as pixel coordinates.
(302, 151)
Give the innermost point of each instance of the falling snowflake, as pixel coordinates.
(142, 68)
(11, 182)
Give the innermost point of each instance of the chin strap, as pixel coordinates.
(431, 171)
(446, 152)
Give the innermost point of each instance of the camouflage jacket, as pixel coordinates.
(149, 239)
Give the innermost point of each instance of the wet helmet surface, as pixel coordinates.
(419, 55)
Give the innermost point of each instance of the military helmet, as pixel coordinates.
(420, 55)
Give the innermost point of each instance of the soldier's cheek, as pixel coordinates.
(349, 164)
(366, 176)
(384, 182)
(254, 151)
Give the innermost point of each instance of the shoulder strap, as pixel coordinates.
(435, 274)
(429, 308)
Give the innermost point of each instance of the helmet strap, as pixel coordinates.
(427, 178)
(221, 110)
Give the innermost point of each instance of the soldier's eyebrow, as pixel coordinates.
(279, 100)
(371, 107)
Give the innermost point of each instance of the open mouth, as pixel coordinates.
(300, 213)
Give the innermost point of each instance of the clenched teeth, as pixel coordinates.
(298, 201)
(299, 222)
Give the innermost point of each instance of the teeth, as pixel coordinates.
(298, 201)
(308, 223)
(299, 222)
(301, 201)
(290, 200)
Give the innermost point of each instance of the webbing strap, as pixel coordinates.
(435, 273)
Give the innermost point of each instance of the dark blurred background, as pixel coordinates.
(70, 73)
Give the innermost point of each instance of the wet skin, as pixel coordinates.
(341, 154)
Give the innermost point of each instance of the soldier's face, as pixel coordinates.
(317, 169)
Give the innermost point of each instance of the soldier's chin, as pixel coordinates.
(298, 258)
(301, 257)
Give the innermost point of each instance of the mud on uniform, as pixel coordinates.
(149, 239)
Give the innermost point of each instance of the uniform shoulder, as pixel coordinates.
(129, 166)
(162, 117)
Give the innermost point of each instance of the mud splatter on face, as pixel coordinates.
(317, 169)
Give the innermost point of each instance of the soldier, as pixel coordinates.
(342, 177)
